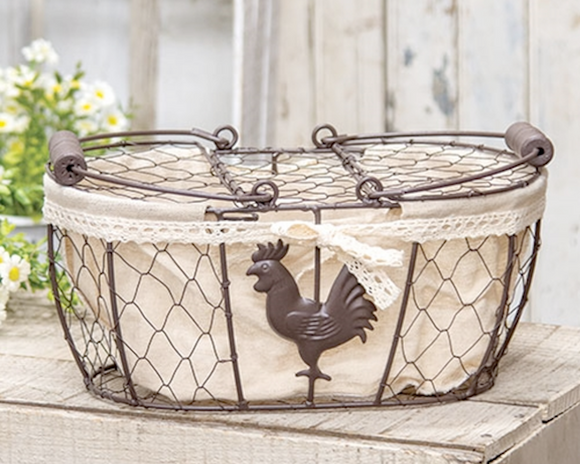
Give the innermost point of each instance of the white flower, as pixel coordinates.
(69, 82)
(114, 120)
(84, 127)
(85, 107)
(8, 81)
(8, 123)
(40, 51)
(4, 257)
(13, 272)
(100, 93)
(23, 76)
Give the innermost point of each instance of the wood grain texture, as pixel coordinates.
(84, 438)
(489, 429)
(42, 395)
(295, 91)
(544, 370)
(15, 27)
(422, 64)
(348, 57)
(330, 68)
(492, 50)
(554, 97)
(256, 37)
(144, 62)
(562, 434)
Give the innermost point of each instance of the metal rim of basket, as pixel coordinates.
(264, 194)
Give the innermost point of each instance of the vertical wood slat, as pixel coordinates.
(295, 89)
(36, 19)
(255, 36)
(422, 65)
(331, 56)
(555, 107)
(493, 63)
(15, 30)
(349, 70)
(143, 68)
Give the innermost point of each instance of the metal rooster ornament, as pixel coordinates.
(315, 327)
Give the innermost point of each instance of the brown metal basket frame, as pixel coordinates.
(263, 197)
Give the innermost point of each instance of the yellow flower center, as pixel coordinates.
(100, 94)
(112, 120)
(87, 106)
(14, 274)
(2, 123)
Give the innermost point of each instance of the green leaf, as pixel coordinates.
(4, 190)
(21, 196)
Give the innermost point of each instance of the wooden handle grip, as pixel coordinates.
(65, 154)
(524, 139)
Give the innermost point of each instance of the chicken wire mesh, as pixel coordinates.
(155, 318)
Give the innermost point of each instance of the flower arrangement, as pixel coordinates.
(36, 101)
(22, 265)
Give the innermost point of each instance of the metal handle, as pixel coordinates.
(524, 139)
(65, 155)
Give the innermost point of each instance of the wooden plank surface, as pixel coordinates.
(422, 68)
(557, 443)
(84, 438)
(144, 62)
(41, 392)
(554, 106)
(295, 106)
(492, 54)
(544, 370)
(255, 37)
(348, 59)
(330, 68)
(463, 427)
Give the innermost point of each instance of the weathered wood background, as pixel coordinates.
(276, 68)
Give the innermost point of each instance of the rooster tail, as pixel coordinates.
(347, 303)
(362, 318)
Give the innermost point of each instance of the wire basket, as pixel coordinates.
(368, 270)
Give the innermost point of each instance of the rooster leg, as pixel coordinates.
(310, 353)
(313, 373)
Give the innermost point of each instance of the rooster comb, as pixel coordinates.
(270, 252)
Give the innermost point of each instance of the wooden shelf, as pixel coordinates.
(531, 416)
